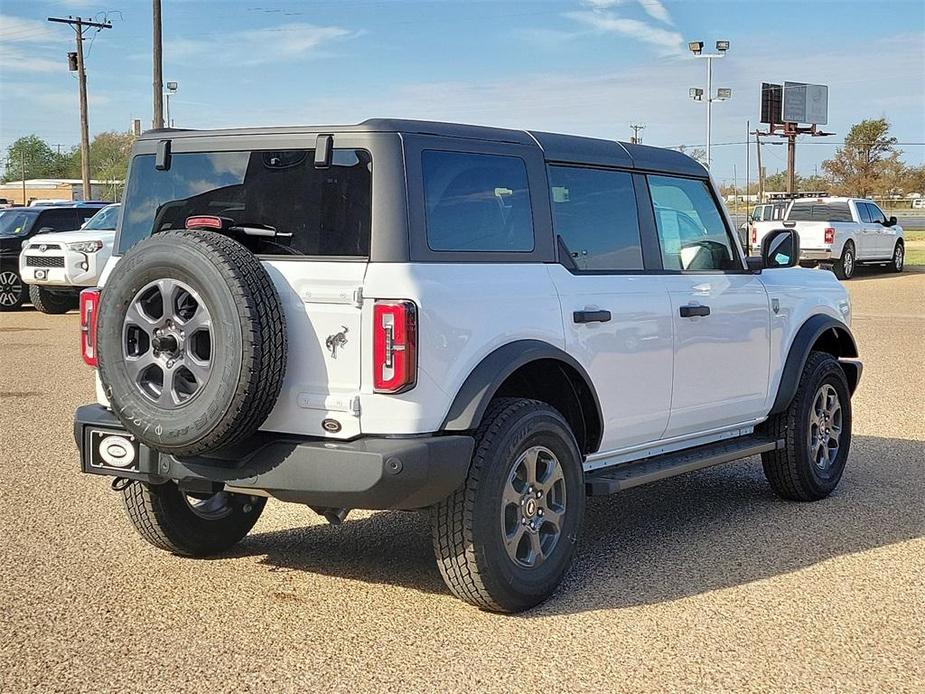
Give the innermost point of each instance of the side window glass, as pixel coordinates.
(476, 202)
(691, 230)
(876, 214)
(863, 212)
(594, 215)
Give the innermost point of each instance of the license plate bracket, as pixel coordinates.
(111, 449)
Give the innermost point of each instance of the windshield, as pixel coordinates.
(313, 211)
(104, 219)
(15, 223)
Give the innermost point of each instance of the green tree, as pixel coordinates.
(109, 158)
(33, 156)
(867, 161)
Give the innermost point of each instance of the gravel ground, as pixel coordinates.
(701, 583)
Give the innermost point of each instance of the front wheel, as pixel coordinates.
(192, 525)
(846, 265)
(899, 257)
(505, 538)
(816, 430)
(12, 290)
(50, 301)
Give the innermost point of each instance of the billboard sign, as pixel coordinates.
(805, 103)
(770, 103)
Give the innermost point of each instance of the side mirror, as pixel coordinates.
(891, 222)
(780, 248)
(46, 230)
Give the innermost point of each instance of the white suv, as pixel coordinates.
(489, 324)
(58, 266)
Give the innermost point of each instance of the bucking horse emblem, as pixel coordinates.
(333, 342)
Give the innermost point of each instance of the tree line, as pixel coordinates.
(32, 157)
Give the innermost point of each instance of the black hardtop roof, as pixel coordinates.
(556, 147)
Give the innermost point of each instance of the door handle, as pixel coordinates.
(591, 316)
(694, 311)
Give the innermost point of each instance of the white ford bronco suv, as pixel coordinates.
(486, 324)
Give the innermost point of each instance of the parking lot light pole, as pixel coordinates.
(696, 47)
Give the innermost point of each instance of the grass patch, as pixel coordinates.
(914, 235)
(915, 256)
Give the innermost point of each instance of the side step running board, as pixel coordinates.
(613, 479)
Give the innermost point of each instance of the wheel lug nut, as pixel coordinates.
(523, 521)
(532, 525)
(539, 512)
(539, 495)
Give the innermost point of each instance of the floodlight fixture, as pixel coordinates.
(696, 47)
(722, 46)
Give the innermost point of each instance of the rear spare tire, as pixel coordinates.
(191, 342)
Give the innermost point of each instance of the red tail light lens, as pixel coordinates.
(829, 235)
(754, 236)
(204, 222)
(394, 346)
(89, 309)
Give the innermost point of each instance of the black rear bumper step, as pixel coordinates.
(616, 478)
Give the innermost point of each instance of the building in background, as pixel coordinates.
(56, 189)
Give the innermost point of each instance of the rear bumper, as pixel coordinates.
(816, 254)
(367, 473)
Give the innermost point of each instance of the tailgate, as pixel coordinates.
(812, 234)
(323, 305)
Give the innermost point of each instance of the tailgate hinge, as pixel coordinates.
(358, 297)
(355, 405)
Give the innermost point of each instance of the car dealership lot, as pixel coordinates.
(702, 582)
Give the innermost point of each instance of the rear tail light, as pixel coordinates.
(754, 236)
(394, 346)
(829, 235)
(89, 309)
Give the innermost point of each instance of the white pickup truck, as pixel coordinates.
(840, 233)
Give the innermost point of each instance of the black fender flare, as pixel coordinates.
(483, 382)
(815, 327)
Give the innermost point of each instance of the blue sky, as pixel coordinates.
(577, 66)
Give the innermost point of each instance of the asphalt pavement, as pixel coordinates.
(705, 582)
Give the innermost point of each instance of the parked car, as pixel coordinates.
(918, 204)
(22, 223)
(842, 233)
(486, 324)
(59, 265)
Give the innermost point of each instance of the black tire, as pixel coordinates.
(50, 301)
(899, 257)
(846, 266)
(468, 527)
(165, 518)
(12, 290)
(792, 471)
(245, 344)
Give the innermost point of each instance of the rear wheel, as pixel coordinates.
(50, 301)
(12, 290)
(505, 539)
(899, 257)
(816, 430)
(190, 525)
(846, 265)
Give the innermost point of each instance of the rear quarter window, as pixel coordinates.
(476, 202)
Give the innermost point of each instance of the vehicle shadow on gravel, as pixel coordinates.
(681, 537)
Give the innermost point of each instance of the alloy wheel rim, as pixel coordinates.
(10, 288)
(533, 506)
(167, 343)
(849, 264)
(825, 427)
(898, 257)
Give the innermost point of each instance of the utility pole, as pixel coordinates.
(158, 66)
(748, 147)
(78, 26)
(22, 167)
(760, 170)
(635, 139)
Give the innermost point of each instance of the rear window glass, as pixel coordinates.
(477, 202)
(810, 211)
(313, 211)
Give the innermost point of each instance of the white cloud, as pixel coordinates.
(258, 46)
(22, 30)
(14, 60)
(668, 41)
(656, 10)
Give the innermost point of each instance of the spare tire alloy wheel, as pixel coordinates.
(191, 342)
(167, 342)
(11, 290)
